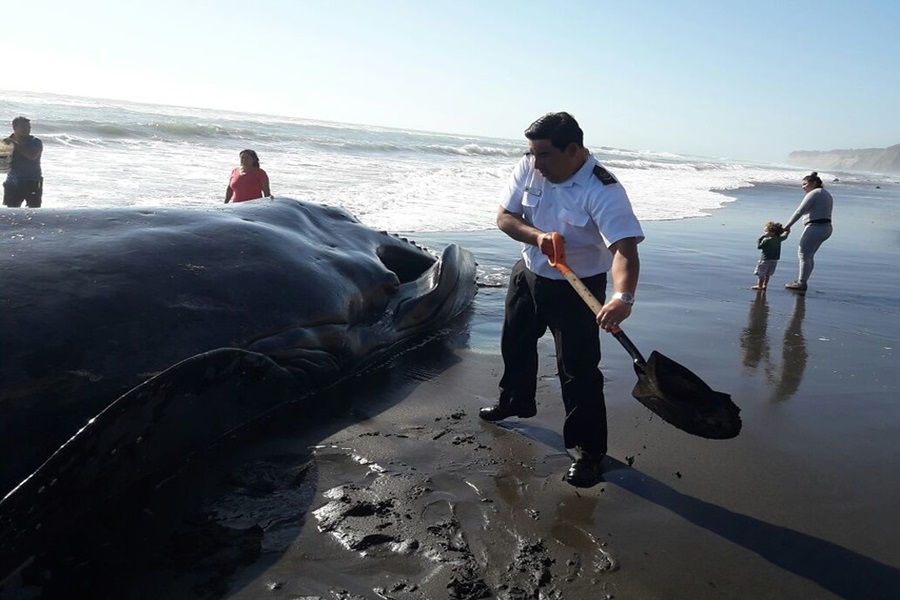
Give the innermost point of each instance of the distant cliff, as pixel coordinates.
(872, 160)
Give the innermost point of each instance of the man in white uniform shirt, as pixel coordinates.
(560, 187)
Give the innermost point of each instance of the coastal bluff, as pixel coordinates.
(872, 160)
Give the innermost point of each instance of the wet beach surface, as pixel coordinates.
(398, 490)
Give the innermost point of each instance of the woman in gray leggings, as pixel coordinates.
(816, 212)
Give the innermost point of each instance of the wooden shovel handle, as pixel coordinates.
(558, 260)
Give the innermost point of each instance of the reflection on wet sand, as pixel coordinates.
(786, 374)
(754, 341)
(793, 354)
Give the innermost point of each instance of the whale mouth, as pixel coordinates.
(407, 263)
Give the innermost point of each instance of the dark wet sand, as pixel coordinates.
(408, 495)
(803, 504)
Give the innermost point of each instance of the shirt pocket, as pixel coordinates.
(531, 197)
(573, 219)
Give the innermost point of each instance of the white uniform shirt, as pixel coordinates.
(589, 214)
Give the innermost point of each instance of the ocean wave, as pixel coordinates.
(64, 139)
(402, 147)
(196, 130)
(99, 130)
(474, 150)
(336, 145)
(646, 164)
(114, 154)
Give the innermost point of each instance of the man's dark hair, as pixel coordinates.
(560, 128)
(19, 120)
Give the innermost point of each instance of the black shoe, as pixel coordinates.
(585, 472)
(501, 411)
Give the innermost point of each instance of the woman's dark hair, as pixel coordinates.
(252, 154)
(560, 128)
(814, 179)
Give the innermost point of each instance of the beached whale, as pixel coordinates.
(198, 321)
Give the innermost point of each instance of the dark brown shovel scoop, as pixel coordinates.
(665, 387)
(681, 398)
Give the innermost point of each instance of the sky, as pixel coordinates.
(750, 80)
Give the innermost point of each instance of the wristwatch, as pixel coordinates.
(624, 297)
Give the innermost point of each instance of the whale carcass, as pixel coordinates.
(121, 328)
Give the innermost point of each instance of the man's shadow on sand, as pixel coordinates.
(839, 570)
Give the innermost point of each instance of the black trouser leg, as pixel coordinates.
(522, 328)
(577, 339)
(34, 191)
(11, 196)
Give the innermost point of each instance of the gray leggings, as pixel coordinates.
(812, 237)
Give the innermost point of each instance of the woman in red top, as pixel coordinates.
(248, 181)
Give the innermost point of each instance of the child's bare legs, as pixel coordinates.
(761, 284)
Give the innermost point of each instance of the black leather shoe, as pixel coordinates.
(585, 472)
(501, 411)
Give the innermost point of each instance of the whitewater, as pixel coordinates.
(105, 153)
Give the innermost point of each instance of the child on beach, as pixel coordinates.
(770, 244)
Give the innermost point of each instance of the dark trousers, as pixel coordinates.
(29, 192)
(534, 304)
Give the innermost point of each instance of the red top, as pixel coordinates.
(249, 185)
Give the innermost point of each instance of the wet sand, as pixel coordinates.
(801, 505)
(417, 498)
(404, 493)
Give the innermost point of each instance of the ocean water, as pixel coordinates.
(103, 153)
(435, 187)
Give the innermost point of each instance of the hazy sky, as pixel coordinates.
(740, 79)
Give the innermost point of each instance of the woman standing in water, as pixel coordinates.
(816, 208)
(248, 181)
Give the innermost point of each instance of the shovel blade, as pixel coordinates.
(684, 400)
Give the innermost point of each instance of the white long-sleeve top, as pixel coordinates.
(817, 204)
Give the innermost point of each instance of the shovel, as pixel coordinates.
(665, 387)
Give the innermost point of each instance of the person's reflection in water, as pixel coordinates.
(793, 354)
(754, 341)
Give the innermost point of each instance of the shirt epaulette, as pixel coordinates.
(605, 177)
